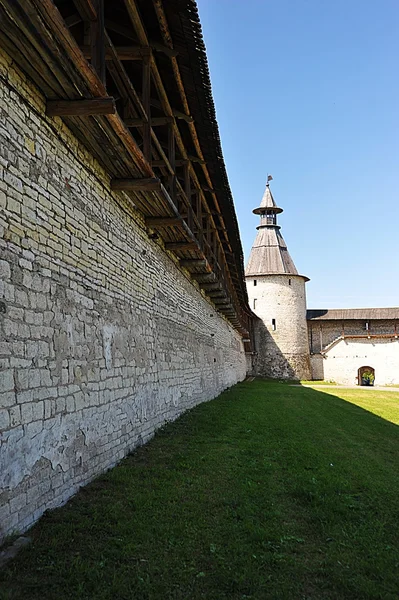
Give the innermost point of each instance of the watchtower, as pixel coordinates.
(277, 296)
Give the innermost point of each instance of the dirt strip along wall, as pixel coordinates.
(102, 338)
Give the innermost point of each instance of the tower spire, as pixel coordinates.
(267, 209)
(269, 254)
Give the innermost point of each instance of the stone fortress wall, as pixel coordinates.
(102, 338)
(281, 333)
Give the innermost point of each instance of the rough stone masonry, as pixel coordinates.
(102, 337)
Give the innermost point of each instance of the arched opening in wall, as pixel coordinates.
(366, 376)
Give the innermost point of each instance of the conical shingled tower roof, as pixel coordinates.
(269, 254)
(267, 202)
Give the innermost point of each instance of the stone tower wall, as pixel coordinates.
(102, 337)
(282, 352)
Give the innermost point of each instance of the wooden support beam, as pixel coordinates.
(171, 52)
(187, 190)
(128, 34)
(196, 159)
(207, 278)
(176, 113)
(155, 122)
(97, 35)
(146, 87)
(211, 286)
(222, 302)
(136, 185)
(162, 221)
(86, 9)
(122, 80)
(123, 52)
(81, 108)
(172, 161)
(73, 20)
(161, 163)
(194, 262)
(181, 246)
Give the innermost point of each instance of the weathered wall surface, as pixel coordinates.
(343, 357)
(342, 362)
(103, 339)
(317, 366)
(282, 352)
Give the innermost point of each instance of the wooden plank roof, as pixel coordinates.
(161, 144)
(352, 314)
(269, 254)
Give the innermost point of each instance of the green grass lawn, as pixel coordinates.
(269, 491)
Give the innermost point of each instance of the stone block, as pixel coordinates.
(7, 381)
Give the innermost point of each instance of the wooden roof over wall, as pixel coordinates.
(150, 121)
(352, 314)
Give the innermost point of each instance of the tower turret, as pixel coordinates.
(277, 296)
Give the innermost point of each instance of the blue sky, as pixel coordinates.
(308, 91)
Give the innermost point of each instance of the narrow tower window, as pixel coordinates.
(274, 324)
(289, 282)
(255, 282)
(254, 302)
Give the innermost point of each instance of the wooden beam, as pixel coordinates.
(212, 286)
(196, 159)
(181, 246)
(128, 34)
(194, 262)
(155, 121)
(171, 52)
(86, 9)
(122, 80)
(73, 20)
(176, 113)
(162, 221)
(136, 185)
(81, 108)
(221, 302)
(146, 87)
(123, 52)
(207, 277)
(97, 34)
(172, 161)
(161, 163)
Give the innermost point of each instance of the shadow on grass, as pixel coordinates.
(269, 491)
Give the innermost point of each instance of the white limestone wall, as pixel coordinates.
(102, 337)
(342, 361)
(282, 352)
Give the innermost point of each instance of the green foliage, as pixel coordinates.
(368, 376)
(269, 491)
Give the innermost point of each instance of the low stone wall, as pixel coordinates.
(103, 338)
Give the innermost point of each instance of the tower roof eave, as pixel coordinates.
(248, 274)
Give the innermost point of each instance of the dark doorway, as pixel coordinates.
(366, 376)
